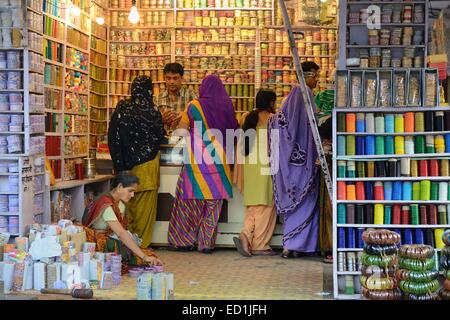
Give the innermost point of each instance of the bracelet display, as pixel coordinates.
(446, 285)
(446, 251)
(381, 294)
(446, 237)
(423, 297)
(381, 250)
(444, 294)
(416, 251)
(447, 274)
(419, 287)
(380, 236)
(416, 265)
(376, 283)
(381, 261)
(379, 271)
(417, 276)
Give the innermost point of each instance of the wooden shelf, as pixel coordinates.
(34, 10)
(77, 183)
(99, 52)
(77, 48)
(86, 72)
(56, 63)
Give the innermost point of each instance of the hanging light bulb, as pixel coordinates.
(76, 11)
(133, 17)
(100, 20)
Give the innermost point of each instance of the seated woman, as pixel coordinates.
(105, 223)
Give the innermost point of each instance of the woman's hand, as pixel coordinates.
(152, 261)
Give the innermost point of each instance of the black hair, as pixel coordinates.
(125, 178)
(310, 66)
(265, 100)
(174, 68)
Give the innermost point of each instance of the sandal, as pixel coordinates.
(328, 259)
(268, 252)
(240, 248)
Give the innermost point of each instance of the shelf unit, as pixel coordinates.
(196, 41)
(22, 153)
(67, 110)
(99, 75)
(378, 178)
(354, 36)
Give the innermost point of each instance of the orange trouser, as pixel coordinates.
(259, 224)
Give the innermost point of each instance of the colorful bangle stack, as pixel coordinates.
(379, 261)
(417, 277)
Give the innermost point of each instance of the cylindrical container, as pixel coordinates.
(360, 191)
(409, 122)
(370, 123)
(389, 123)
(433, 165)
(416, 190)
(397, 192)
(379, 145)
(419, 145)
(389, 145)
(407, 190)
(387, 190)
(351, 145)
(350, 213)
(360, 145)
(399, 145)
(425, 190)
(369, 145)
(379, 214)
(405, 215)
(89, 168)
(378, 191)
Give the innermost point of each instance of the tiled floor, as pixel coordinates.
(226, 275)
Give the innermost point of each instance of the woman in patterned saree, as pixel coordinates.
(205, 179)
(105, 223)
(293, 158)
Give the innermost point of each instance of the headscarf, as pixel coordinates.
(216, 105)
(136, 127)
(297, 153)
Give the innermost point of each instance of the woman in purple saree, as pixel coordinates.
(293, 158)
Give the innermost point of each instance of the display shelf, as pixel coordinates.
(54, 39)
(83, 93)
(76, 183)
(86, 51)
(77, 70)
(141, 41)
(141, 28)
(34, 10)
(36, 31)
(393, 201)
(354, 273)
(400, 109)
(141, 9)
(56, 63)
(225, 9)
(350, 249)
(421, 133)
(9, 213)
(388, 25)
(395, 226)
(54, 17)
(101, 52)
(386, 2)
(440, 178)
(387, 156)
